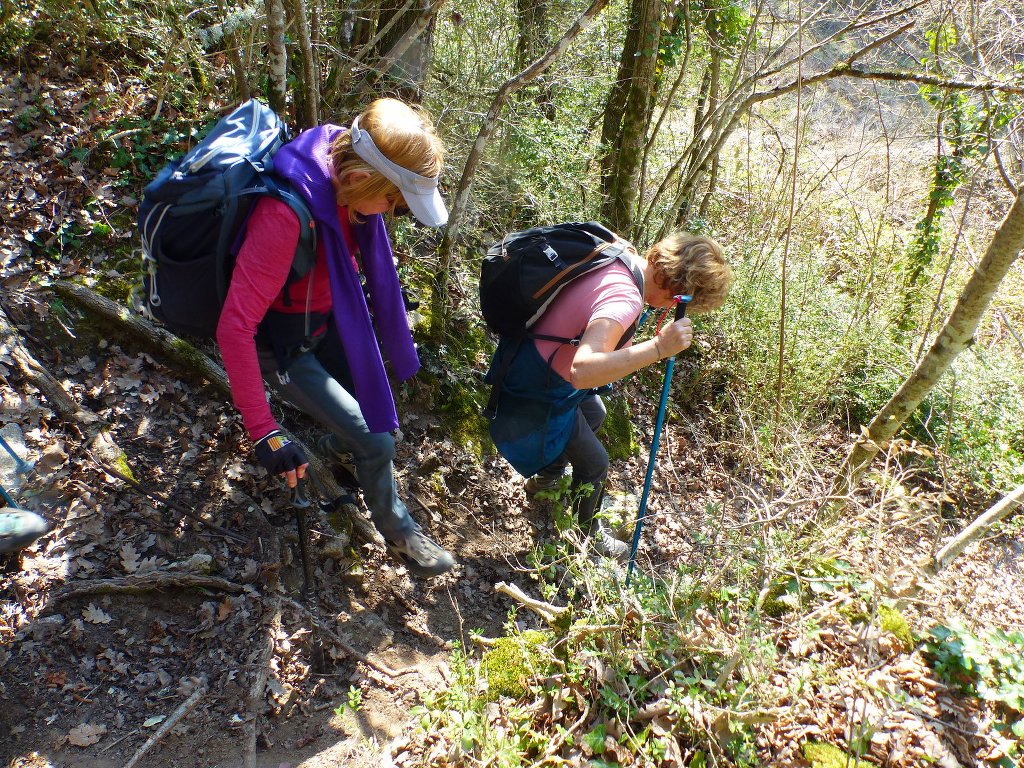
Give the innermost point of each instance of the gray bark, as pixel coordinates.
(310, 71)
(277, 57)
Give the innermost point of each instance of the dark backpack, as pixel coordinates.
(521, 276)
(193, 216)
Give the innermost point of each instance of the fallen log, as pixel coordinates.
(150, 582)
(1002, 508)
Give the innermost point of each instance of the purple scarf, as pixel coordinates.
(305, 162)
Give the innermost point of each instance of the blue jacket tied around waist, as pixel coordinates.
(536, 411)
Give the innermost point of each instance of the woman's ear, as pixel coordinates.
(353, 178)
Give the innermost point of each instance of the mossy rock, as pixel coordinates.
(780, 598)
(617, 432)
(510, 663)
(894, 622)
(821, 755)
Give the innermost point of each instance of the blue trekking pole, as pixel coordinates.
(681, 302)
(21, 467)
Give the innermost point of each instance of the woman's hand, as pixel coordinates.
(598, 362)
(675, 337)
(280, 456)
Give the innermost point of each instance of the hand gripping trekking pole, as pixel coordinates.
(681, 302)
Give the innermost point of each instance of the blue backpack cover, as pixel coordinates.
(193, 215)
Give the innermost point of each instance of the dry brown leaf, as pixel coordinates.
(95, 615)
(86, 734)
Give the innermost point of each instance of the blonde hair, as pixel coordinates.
(404, 134)
(692, 265)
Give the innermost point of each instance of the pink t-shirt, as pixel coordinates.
(609, 293)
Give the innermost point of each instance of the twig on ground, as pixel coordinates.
(173, 506)
(550, 613)
(172, 720)
(259, 683)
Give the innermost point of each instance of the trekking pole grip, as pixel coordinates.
(681, 302)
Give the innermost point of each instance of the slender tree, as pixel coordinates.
(440, 306)
(277, 58)
(628, 114)
(956, 335)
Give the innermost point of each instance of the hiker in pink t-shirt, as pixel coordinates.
(601, 309)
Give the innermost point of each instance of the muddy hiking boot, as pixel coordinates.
(19, 528)
(327, 446)
(596, 529)
(542, 482)
(420, 554)
(606, 544)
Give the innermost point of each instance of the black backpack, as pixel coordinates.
(521, 276)
(193, 216)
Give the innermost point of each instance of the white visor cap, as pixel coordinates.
(420, 192)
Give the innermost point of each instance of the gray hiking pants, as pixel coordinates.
(319, 394)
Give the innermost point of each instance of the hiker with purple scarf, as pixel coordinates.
(315, 340)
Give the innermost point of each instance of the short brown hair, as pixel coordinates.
(693, 265)
(405, 135)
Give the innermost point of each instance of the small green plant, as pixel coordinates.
(987, 665)
(353, 701)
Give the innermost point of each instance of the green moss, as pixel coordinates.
(889, 620)
(779, 599)
(821, 755)
(463, 417)
(450, 383)
(511, 662)
(893, 621)
(121, 465)
(617, 433)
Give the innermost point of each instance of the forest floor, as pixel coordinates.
(127, 610)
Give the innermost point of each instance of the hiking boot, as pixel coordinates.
(606, 544)
(343, 460)
(420, 554)
(542, 482)
(19, 528)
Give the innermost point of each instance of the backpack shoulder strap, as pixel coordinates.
(305, 250)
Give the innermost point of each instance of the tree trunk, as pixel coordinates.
(535, 38)
(440, 305)
(955, 336)
(277, 57)
(621, 186)
(403, 44)
(310, 71)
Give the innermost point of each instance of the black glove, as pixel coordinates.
(278, 454)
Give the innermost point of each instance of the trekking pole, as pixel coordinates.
(21, 467)
(301, 503)
(681, 302)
